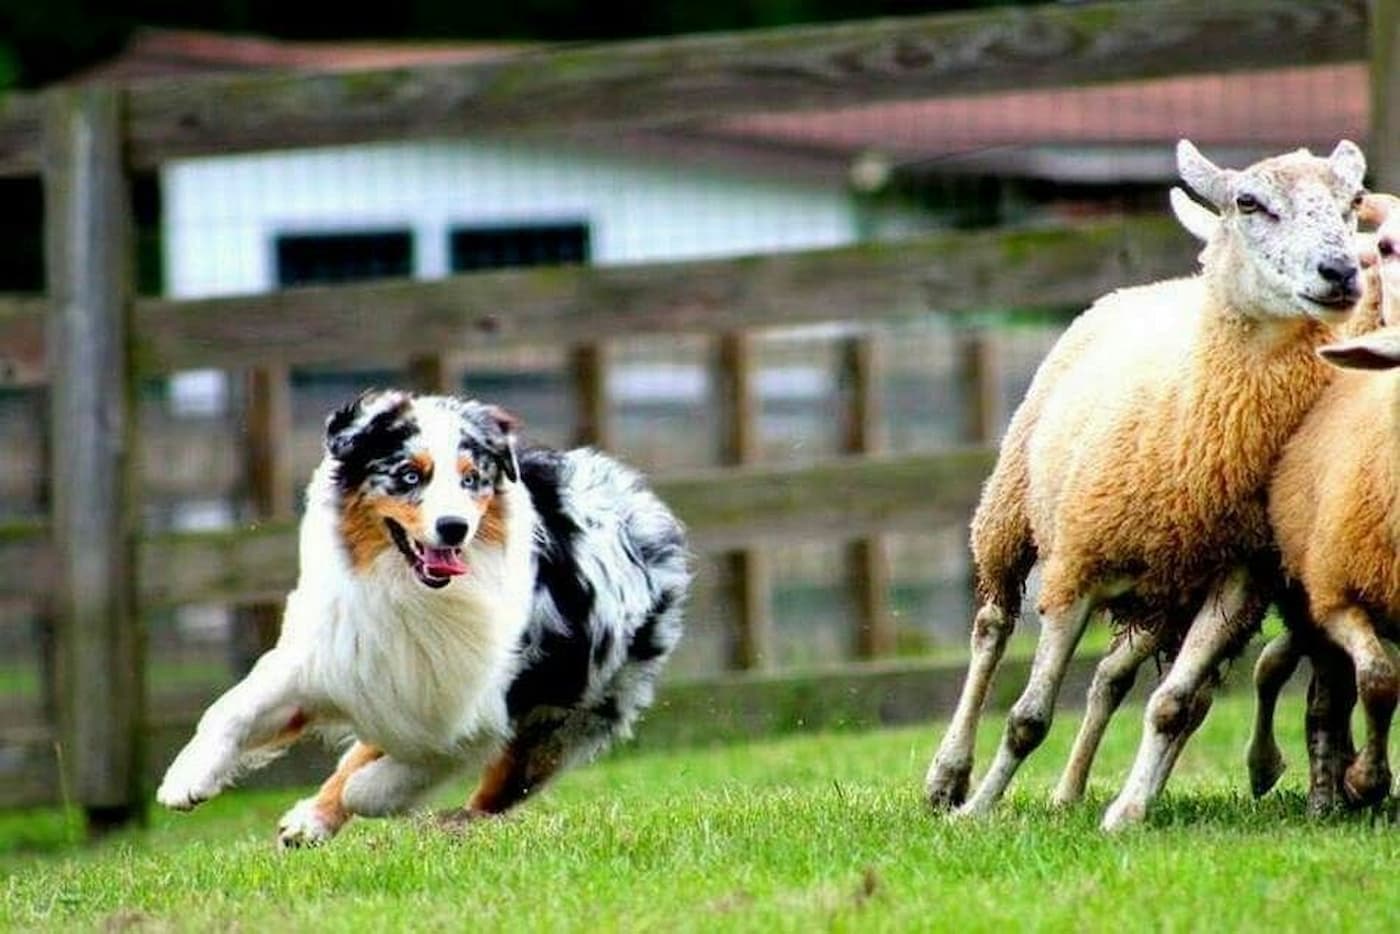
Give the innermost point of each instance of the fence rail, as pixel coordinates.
(679, 81)
(86, 143)
(393, 321)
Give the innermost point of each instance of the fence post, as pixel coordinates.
(588, 370)
(976, 374)
(749, 571)
(862, 366)
(1383, 151)
(90, 270)
(432, 374)
(270, 489)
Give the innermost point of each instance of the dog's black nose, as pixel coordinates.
(451, 530)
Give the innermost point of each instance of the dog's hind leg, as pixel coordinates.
(249, 725)
(316, 819)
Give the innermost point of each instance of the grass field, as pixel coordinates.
(822, 831)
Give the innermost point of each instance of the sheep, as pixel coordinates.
(1116, 673)
(1333, 509)
(1134, 469)
(1131, 645)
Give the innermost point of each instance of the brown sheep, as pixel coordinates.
(1135, 468)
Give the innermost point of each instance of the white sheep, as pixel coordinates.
(1134, 469)
(1117, 672)
(1333, 508)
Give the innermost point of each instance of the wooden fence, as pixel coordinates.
(90, 338)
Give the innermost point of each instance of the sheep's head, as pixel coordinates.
(1380, 257)
(1283, 246)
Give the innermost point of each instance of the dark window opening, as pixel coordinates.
(22, 230)
(476, 248)
(321, 259)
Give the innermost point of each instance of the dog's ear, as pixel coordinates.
(497, 430)
(508, 425)
(347, 423)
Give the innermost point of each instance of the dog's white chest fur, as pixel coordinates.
(419, 673)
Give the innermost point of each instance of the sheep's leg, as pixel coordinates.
(1331, 698)
(1113, 679)
(948, 775)
(1367, 780)
(1218, 625)
(1030, 716)
(1195, 716)
(1275, 666)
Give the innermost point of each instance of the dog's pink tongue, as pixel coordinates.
(443, 562)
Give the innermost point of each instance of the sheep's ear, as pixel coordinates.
(1202, 176)
(1379, 350)
(1200, 221)
(1376, 209)
(1348, 163)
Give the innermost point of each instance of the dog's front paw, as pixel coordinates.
(188, 783)
(305, 825)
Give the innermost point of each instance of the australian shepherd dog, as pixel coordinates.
(460, 606)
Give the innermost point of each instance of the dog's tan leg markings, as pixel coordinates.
(258, 715)
(515, 773)
(318, 818)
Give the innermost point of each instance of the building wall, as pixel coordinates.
(222, 214)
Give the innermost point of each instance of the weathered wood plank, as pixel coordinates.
(385, 322)
(748, 572)
(867, 559)
(694, 78)
(22, 322)
(1383, 151)
(588, 370)
(431, 373)
(21, 134)
(944, 272)
(26, 557)
(268, 461)
(90, 264)
(724, 509)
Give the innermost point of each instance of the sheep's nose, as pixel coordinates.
(1341, 274)
(451, 530)
(1337, 271)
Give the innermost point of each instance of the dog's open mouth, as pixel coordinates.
(435, 567)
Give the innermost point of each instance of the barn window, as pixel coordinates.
(325, 258)
(501, 246)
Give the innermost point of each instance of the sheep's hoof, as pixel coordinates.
(1365, 783)
(1123, 814)
(947, 786)
(1266, 767)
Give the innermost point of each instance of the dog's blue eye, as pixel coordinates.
(471, 480)
(410, 478)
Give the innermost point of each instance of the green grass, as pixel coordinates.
(824, 831)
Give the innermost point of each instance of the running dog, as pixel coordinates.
(459, 606)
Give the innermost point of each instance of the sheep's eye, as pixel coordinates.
(1386, 247)
(1247, 204)
(1356, 202)
(410, 477)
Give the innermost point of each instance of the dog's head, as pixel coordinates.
(420, 475)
